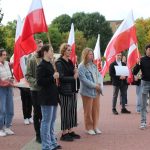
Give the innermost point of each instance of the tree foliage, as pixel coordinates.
(62, 22)
(87, 27)
(91, 24)
(143, 33)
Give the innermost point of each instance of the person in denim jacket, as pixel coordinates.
(91, 84)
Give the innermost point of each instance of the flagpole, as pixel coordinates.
(53, 61)
(138, 52)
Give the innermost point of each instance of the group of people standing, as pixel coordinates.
(141, 75)
(58, 83)
(52, 83)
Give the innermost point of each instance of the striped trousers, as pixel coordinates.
(68, 111)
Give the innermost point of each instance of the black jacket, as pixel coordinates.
(144, 67)
(116, 81)
(48, 95)
(66, 76)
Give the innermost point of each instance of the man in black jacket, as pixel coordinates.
(144, 65)
(119, 83)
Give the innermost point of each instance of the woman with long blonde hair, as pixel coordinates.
(90, 90)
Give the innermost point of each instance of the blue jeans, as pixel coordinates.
(138, 97)
(145, 90)
(6, 107)
(47, 127)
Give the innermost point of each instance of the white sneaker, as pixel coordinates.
(91, 132)
(26, 121)
(97, 131)
(8, 131)
(143, 126)
(30, 120)
(2, 133)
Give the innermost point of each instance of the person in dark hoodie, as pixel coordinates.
(48, 98)
(143, 64)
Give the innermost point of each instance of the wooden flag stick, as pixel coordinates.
(53, 61)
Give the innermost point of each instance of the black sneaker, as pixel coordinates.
(125, 111)
(74, 135)
(57, 147)
(66, 137)
(114, 111)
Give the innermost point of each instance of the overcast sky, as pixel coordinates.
(111, 9)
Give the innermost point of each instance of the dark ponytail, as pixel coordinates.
(45, 48)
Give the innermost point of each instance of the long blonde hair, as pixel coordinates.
(85, 53)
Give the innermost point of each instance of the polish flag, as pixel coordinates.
(18, 52)
(121, 40)
(97, 54)
(71, 42)
(34, 23)
(133, 55)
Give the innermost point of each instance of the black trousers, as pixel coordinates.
(123, 90)
(26, 102)
(37, 115)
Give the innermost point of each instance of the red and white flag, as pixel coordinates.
(133, 55)
(121, 40)
(97, 54)
(34, 23)
(18, 52)
(71, 42)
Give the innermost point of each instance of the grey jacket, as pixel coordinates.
(89, 76)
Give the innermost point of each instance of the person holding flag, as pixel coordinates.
(34, 23)
(30, 76)
(68, 75)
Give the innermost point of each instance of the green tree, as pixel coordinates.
(9, 36)
(63, 23)
(55, 37)
(92, 24)
(143, 33)
(78, 20)
(2, 39)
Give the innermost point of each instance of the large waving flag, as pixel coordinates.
(18, 52)
(34, 23)
(97, 54)
(71, 41)
(133, 55)
(121, 40)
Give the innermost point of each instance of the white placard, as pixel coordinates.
(122, 71)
